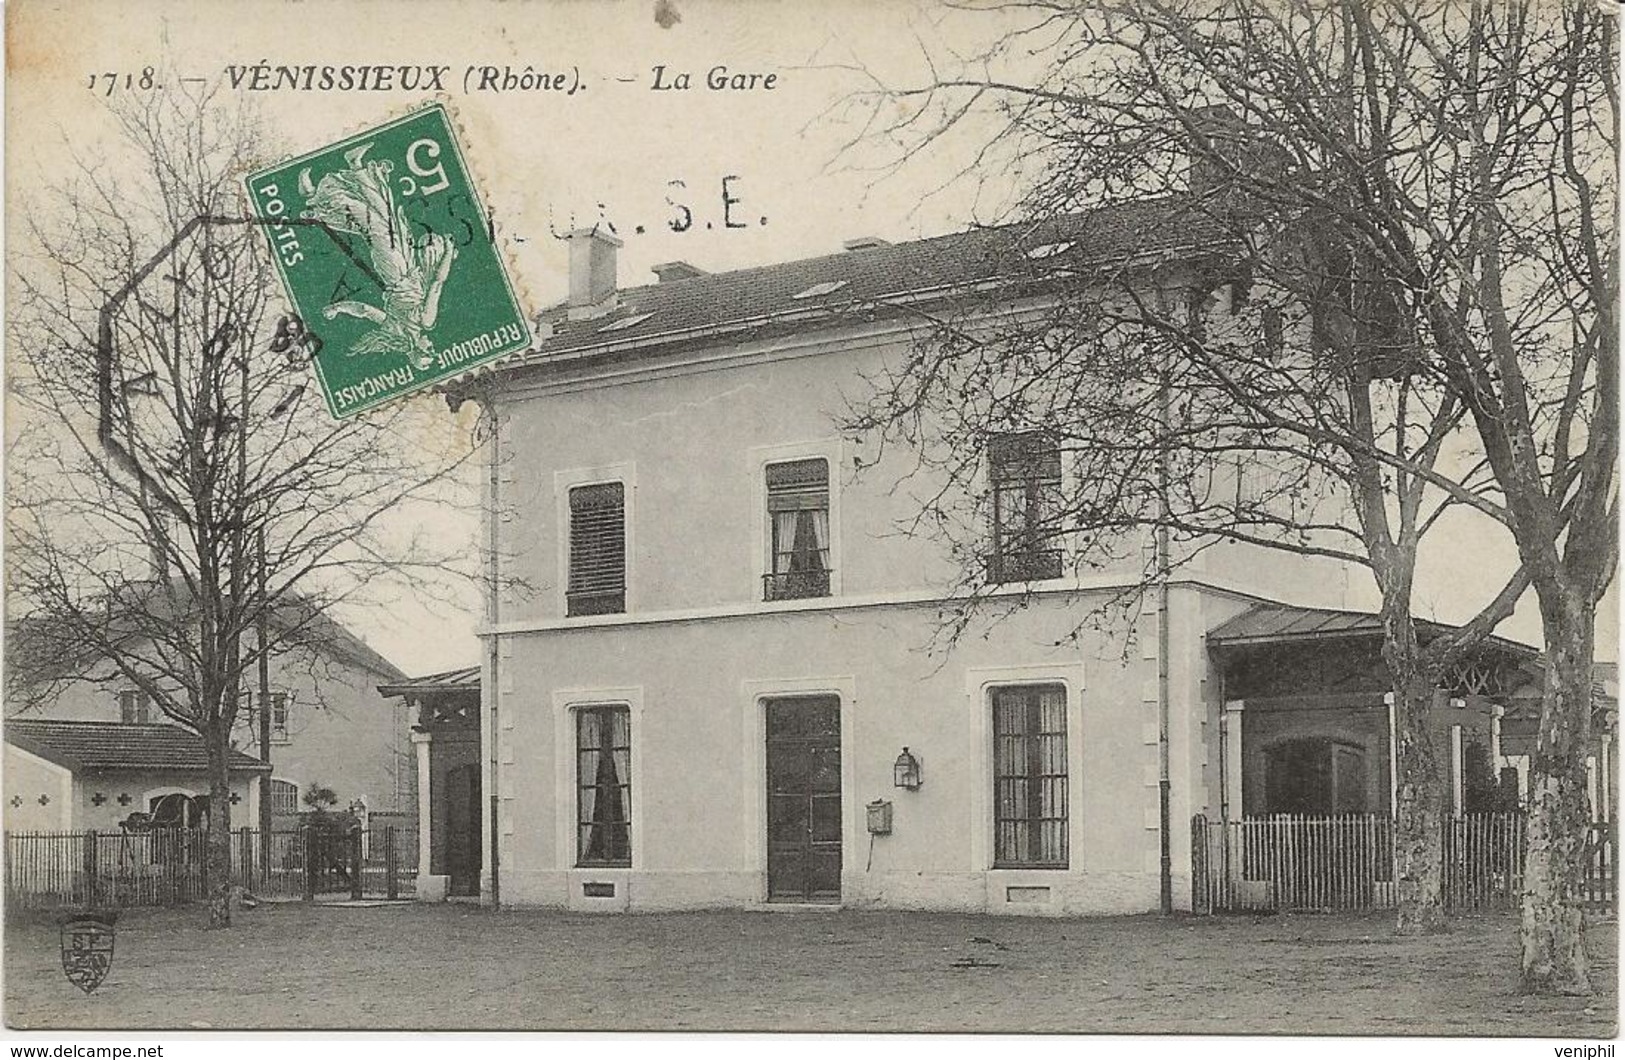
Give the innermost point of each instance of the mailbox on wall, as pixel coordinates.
(880, 817)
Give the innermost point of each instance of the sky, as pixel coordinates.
(612, 144)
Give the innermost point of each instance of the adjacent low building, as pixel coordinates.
(328, 725)
(93, 776)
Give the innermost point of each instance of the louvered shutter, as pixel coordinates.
(797, 485)
(597, 584)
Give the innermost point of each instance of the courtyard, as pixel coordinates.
(457, 966)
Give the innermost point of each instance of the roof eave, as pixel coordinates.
(897, 300)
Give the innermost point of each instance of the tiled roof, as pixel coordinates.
(854, 280)
(47, 645)
(1272, 623)
(109, 745)
(465, 679)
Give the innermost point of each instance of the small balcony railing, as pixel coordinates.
(1027, 566)
(795, 585)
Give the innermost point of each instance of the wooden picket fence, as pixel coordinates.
(1292, 862)
(169, 866)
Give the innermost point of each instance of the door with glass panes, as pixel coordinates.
(804, 799)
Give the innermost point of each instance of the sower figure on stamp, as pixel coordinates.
(359, 199)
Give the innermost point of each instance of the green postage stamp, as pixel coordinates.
(388, 257)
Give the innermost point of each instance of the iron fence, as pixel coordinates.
(1287, 861)
(169, 866)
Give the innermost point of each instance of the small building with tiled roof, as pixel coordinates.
(93, 775)
(329, 726)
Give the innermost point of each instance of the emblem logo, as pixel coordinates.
(87, 949)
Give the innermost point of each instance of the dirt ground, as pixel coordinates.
(460, 966)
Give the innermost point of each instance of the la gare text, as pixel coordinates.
(717, 79)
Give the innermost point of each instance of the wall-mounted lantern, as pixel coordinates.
(906, 773)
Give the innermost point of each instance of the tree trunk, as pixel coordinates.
(219, 833)
(1552, 935)
(1418, 813)
(1419, 816)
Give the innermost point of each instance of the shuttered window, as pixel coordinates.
(1029, 777)
(597, 584)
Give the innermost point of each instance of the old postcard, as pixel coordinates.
(1039, 518)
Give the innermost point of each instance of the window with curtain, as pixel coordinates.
(798, 515)
(604, 786)
(1029, 777)
(597, 582)
(1025, 473)
(134, 707)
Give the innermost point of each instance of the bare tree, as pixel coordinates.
(1373, 281)
(181, 505)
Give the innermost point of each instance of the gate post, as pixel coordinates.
(88, 859)
(1199, 871)
(307, 843)
(355, 863)
(394, 888)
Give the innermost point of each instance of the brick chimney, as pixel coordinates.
(592, 272)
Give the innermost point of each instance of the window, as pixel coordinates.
(134, 707)
(597, 583)
(284, 797)
(179, 810)
(604, 786)
(1029, 777)
(818, 290)
(626, 322)
(1025, 471)
(279, 715)
(798, 518)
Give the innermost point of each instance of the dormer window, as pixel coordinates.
(625, 322)
(818, 290)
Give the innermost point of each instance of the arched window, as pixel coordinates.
(179, 810)
(284, 797)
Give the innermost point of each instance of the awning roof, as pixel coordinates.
(1279, 623)
(465, 679)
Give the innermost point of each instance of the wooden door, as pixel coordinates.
(804, 800)
(1348, 779)
(463, 830)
